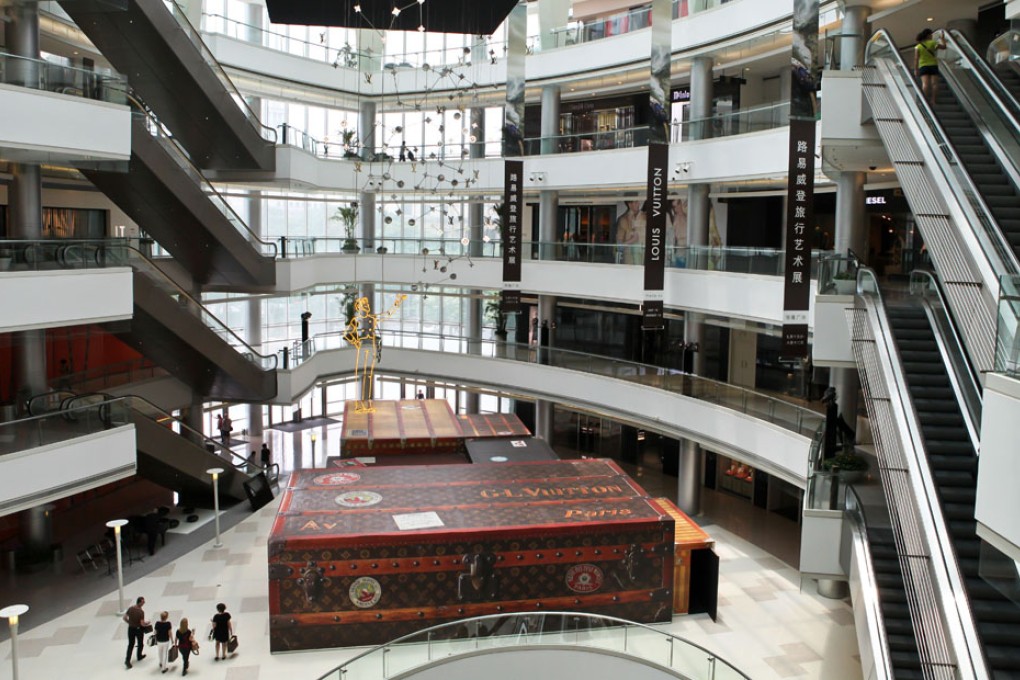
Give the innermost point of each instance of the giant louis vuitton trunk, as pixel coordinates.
(364, 555)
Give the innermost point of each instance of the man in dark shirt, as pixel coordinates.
(135, 619)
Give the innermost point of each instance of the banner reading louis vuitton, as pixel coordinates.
(800, 181)
(655, 236)
(513, 206)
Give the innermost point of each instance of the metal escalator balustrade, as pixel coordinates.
(983, 133)
(928, 589)
(965, 244)
(951, 453)
(998, 86)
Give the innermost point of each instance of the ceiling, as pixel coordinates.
(477, 17)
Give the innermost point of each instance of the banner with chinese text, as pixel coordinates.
(800, 181)
(513, 210)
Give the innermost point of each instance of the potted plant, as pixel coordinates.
(851, 465)
(494, 313)
(348, 216)
(845, 282)
(349, 142)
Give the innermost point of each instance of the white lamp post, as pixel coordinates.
(116, 524)
(216, 472)
(12, 613)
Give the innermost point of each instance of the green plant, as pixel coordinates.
(347, 215)
(847, 461)
(494, 313)
(350, 143)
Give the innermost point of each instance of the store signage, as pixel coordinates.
(800, 217)
(513, 207)
(874, 200)
(682, 94)
(656, 203)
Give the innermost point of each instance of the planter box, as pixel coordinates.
(364, 555)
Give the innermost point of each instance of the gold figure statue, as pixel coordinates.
(363, 334)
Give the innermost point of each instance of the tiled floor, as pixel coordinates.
(770, 624)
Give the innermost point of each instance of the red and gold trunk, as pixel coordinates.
(365, 555)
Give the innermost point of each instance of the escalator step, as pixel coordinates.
(1002, 657)
(905, 659)
(959, 512)
(1000, 633)
(902, 643)
(893, 595)
(953, 478)
(958, 494)
(945, 433)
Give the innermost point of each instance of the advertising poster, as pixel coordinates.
(657, 219)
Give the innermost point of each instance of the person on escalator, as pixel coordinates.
(926, 63)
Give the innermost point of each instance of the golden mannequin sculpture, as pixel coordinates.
(363, 334)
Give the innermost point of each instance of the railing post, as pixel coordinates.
(711, 668)
(671, 639)
(385, 656)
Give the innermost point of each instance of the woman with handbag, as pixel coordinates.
(186, 644)
(163, 628)
(222, 630)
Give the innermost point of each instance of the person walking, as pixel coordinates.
(186, 644)
(163, 629)
(225, 425)
(926, 63)
(267, 455)
(403, 151)
(222, 630)
(135, 619)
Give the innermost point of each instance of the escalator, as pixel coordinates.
(1009, 76)
(989, 176)
(903, 653)
(165, 194)
(953, 462)
(168, 64)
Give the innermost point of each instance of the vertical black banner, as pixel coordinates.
(513, 210)
(800, 193)
(655, 235)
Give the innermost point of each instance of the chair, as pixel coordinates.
(86, 561)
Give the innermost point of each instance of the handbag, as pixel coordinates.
(232, 644)
(171, 654)
(194, 644)
(147, 629)
(151, 641)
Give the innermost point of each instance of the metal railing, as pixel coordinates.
(39, 74)
(528, 630)
(740, 122)
(230, 90)
(758, 405)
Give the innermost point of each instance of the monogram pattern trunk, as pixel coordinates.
(365, 555)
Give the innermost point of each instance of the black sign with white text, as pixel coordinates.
(656, 204)
(513, 211)
(800, 214)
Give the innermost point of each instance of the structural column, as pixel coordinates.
(855, 35)
(546, 319)
(476, 234)
(549, 201)
(690, 471)
(25, 197)
(254, 320)
(698, 205)
(851, 234)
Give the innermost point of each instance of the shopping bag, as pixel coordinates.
(232, 644)
(171, 654)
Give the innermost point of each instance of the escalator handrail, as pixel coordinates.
(998, 255)
(874, 620)
(146, 409)
(195, 37)
(109, 247)
(943, 565)
(1012, 35)
(923, 282)
(165, 138)
(1004, 109)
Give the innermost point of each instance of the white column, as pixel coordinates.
(855, 32)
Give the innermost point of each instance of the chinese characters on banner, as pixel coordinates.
(513, 210)
(800, 213)
(655, 236)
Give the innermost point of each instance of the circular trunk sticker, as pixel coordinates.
(365, 592)
(584, 578)
(358, 499)
(337, 478)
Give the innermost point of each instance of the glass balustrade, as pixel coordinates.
(39, 74)
(645, 644)
(756, 404)
(741, 122)
(62, 425)
(1007, 336)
